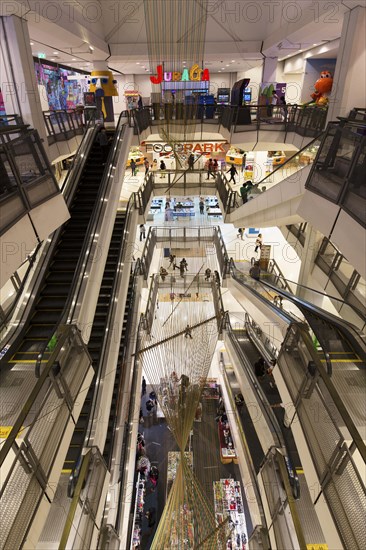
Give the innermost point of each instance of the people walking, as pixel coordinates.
(143, 386)
(215, 166)
(162, 169)
(207, 274)
(233, 171)
(191, 161)
(258, 242)
(202, 207)
(188, 332)
(142, 232)
(210, 169)
(241, 232)
(163, 273)
(171, 260)
(133, 167)
(183, 262)
(139, 102)
(255, 271)
(147, 165)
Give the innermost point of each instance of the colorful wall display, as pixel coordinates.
(2, 105)
(60, 91)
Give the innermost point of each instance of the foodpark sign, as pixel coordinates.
(192, 147)
(194, 74)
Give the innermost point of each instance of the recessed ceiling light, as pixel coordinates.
(52, 59)
(91, 47)
(315, 44)
(233, 61)
(73, 59)
(222, 68)
(184, 62)
(31, 43)
(228, 65)
(55, 53)
(137, 62)
(88, 63)
(300, 50)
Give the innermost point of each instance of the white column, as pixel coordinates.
(269, 69)
(18, 79)
(349, 83)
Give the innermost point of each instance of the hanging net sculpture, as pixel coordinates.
(176, 357)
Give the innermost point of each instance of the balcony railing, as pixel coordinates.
(305, 120)
(339, 170)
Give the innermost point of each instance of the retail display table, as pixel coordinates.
(214, 212)
(229, 504)
(227, 451)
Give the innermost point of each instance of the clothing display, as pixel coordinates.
(229, 504)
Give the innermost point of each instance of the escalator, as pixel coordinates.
(60, 273)
(340, 341)
(98, 334)
(117, 389)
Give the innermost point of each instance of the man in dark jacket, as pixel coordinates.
(232, 171)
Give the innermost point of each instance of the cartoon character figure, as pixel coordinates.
(323, 87)
(103, 85)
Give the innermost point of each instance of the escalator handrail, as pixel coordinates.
(327, 380)
(86, 252)
(240, 277)
(339, 300)
(304, 305)
(48, 251)
(256, 388)
(114, 291)
(340, 323)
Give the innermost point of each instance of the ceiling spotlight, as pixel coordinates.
(31, 43)
(55, 53)
(233, 61)
(91, 48)
(315, 44)
(137, 62)
(73, 59)
(52, 59)
(300, 50)
(184, 62)
(228, 65)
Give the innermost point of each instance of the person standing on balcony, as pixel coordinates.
(232, 171)
(139, 103)
(202, 207)
(162, 169)
(191, 161)
(210, 169)
(147, 165)
(142, 232)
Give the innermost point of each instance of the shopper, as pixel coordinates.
(139, 102)
(210, 169)
(143, 386)
(244, 193)
(152, 396)
(241, 232)
(133, 167)
(191, 161)
(162, 169)
(217, 279)
(154, 166)
(163, 273)
(154, 476)
(184, 263)
(188, 333)
(255, 271)
(151, 516)
(147, 165)
(202, 207)
(141, 417)
(103, 141)
(150, 406)
(274, 101)
(283, 108)
(233, 171)
(171, 260)
(142, 232)
(243, 162)
(207, 274)
(258, 242)
(215, 166)
(260, 367)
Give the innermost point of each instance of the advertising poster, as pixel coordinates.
(60, 92)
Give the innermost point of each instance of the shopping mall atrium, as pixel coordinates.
(183, 275)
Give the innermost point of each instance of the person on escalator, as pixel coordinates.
(103, 141)
(260, 367)
(255, 271)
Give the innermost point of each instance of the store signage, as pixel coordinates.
(187, 147)
(194, 74)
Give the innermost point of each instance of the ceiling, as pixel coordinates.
(79, 32)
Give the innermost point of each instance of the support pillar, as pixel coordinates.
(269, 69)
(309, 252)
(18, 80)
(349, 81)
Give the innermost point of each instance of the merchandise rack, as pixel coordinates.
(229, 503)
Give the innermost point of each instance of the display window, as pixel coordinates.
(61, 92)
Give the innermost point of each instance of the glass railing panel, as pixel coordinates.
(354, 200)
